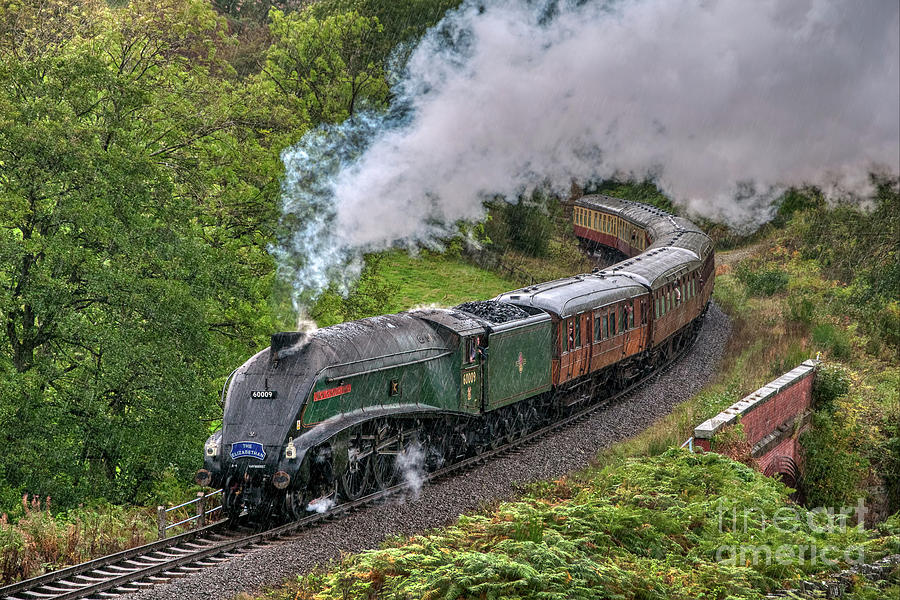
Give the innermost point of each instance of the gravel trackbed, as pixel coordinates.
(442, 502)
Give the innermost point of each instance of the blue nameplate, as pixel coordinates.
(251, 449)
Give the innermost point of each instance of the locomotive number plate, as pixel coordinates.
(263, 394)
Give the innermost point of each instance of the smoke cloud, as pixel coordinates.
(411, 464)
(723, 102)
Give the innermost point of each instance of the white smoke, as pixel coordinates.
(723, 102)
(411, 464)
(321, 505)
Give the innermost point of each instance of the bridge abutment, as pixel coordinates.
(773, 417)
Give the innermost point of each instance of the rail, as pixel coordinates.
(200, 514)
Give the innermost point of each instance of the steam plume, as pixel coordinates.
(723, 102)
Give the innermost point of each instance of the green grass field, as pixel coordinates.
(433, 279)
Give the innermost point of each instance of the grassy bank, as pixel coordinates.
(669, 527)
(39, 541)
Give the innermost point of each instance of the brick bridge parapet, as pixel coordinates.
(772, 418)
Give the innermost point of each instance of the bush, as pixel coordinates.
(832, 341)
(834, 470)
(762, 283)
(800, 309)
(39, 542)
(831, 383)
(887, 453)
(670, 527)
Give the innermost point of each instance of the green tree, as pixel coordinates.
(132, 235)
(326, 66)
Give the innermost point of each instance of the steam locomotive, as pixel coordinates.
(334, 415)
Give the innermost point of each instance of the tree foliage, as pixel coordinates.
(131, 243)
(326, 67)
(139, 172)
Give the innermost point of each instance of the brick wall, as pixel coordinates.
(763, 411)
(771, 416)
(787, 447)
(779, 409)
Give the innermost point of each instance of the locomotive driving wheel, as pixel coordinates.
(384, 457)
(294, 505)
(357, 478)
(437, 447)
(232, 500)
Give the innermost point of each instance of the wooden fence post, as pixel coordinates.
(161, 522)
(201, 509)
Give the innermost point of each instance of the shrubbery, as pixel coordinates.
(653, 528)
(765, 282)
(834, 470)
(832, 382)
(39, 542)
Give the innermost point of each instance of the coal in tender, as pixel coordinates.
(493, 311)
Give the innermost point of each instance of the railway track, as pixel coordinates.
(179, 556)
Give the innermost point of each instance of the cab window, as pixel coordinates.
(471, 351)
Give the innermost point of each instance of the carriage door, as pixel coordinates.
(472, 371)
(578, 353)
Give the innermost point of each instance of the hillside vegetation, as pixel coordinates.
(671, 527)
(139, 183)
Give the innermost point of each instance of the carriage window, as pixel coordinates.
(578, 331)
(605, 327)
(623, 319)
(571, 334)
(597, 330)
(631, 315)
(668, 301)
(612, 322)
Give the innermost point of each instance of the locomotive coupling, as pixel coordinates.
(203, 478)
